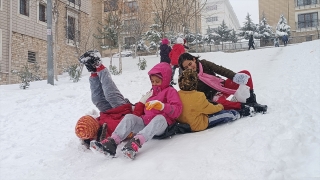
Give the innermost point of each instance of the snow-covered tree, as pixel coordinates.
(108, 35)
(264, 29)
(154, 35)
(248, 28)
(223, 32)
(282, 27)
(233, 36)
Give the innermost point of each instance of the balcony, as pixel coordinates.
(306, 4)
(76, 4)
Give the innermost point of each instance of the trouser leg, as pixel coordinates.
(110, 90)
(157, 126)
(130, 123)
(222, 117)
(97, 94)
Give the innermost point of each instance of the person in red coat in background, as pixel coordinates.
(177, 50)
(107, 98)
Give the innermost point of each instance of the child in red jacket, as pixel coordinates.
(106, 97)
(174, 55)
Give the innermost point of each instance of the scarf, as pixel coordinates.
(213, 81)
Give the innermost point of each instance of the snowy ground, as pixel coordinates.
(38, 140)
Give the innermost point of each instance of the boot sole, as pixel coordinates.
(129, 154)
(96, 149)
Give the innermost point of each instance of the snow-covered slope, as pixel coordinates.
(37, 139)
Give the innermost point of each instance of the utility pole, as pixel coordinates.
(50, 70)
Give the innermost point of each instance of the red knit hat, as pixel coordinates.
(87, 127)
(165, 41)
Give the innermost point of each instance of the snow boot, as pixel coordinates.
(131, 148)
(172, 83)
(91, 59)
(85, 143)
(107, 146)
(246, 111)
(252, 102)
(103, 132)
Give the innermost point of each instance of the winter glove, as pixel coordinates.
(155, 104)
(241, 78)
(146, 96)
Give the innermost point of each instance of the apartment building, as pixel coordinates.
(302, 16)
(23, 34)
(215, 12)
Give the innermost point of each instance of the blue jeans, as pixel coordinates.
(104, 93)
(222, 117)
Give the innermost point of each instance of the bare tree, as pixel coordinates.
(188, 11)
(164, 11)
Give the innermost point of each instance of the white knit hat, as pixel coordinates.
(180, 41)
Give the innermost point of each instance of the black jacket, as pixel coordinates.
(164, 53)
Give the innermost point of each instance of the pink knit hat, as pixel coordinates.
(165, 41)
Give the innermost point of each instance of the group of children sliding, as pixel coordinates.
(200, 103)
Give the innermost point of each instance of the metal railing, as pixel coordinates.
(306, 3)
(228, 47)
(74, 3)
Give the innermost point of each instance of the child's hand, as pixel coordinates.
(155, 104)
(146, 96)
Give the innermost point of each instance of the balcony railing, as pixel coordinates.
(308, 25)
(306, 3)
(74, 3)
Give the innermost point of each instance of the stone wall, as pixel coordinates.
(21, 44)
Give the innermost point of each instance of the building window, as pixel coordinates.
(212, 19)
(31, 57)
(306, 2)
(42, 12)
(131, 7)
(211, 8)
(0, 5)
(110, 5)
(71, 28)
(308, 20)
(130, 25)
(24, 7)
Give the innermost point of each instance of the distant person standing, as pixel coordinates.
(285, 40)
(165, 49)
(184, 45)
(251, 42)
(177, 50)
(276, 42)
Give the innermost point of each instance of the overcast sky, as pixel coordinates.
(242, 7)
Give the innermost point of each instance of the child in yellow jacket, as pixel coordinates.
(197, 111)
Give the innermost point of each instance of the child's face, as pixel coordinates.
(155, 80)
(190, 64)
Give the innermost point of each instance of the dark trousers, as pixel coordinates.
(251, 45)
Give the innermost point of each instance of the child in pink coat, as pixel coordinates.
(162, 107)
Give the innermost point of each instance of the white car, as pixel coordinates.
(123, 54)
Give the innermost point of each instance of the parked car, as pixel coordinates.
(123, 54)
